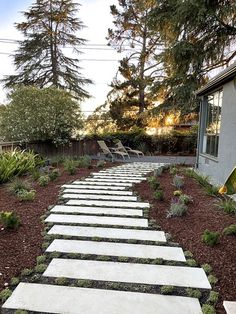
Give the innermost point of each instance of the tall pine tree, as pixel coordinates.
(50, 26)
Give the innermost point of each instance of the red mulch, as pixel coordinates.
(187, 231)
(20, 248)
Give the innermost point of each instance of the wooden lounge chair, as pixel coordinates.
(128, 150)
(110, 151)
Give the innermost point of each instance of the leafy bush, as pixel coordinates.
(10, 220)
(167, 289)
(101, 164)
(210, 238)
(14, 281)
(208, 309)
(178, 181)
(231, 230)
(54, 174)
(194, 293)
(154, 183)
(191, 262)
(159, 195)
(43, 180)
(17, 163)
(213, 297)
(158, 172)
(228, 206)
(41, 259)
(5, 294)
(61, 281)
(24, 195)
(84, 162)
(212, 279)
(207, 268)
(185, 199)
(70, 166)
(177, 208)
(17, 185)
(40, 268)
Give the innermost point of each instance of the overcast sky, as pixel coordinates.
(95, 14)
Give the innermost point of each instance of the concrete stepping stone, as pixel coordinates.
(128, 272)
(113, 179)
(97, 210)
(109, 183)
(97, 220)
(99, 197)
(73, 300)
(109, 233)
(109, 203)
(87, 191)
(111, 174)
(230, 307)
(91, 187)
(117, 249)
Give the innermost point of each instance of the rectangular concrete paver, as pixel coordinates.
(98, 191)
(75, 300)
(109, 203)
(97, 220)
(97, 210)
(91, 187)
(109, 183)
(108, 173)
(99, 197)
(230, 307)
(127, 272)
(112, 180)
(109, 233)
(117, 249)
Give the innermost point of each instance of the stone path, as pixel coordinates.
(104, 220)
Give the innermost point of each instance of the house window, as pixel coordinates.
(212, 126)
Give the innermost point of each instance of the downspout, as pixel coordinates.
(199, 133)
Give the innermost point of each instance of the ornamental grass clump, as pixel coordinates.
(70, 166)
(54, 174)
(178, 181)
(84, 162)
(43, 180)
(177, 208)
(210, 238)
(227, 205)
(159, 195)
(154, 183)
(231, 230)
(9, 220)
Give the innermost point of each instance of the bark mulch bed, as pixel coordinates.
(187, 231)
(20, 248)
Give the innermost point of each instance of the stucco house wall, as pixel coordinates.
(219, 168)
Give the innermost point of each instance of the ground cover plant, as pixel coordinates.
(188, 229)
(20, 247)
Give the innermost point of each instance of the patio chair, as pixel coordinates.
(111, 151)
(128, 150)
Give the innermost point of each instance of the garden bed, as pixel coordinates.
(187, 230)
(20, 248)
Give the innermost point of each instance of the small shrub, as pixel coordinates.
(212, 190)
(207, 268)
(177, 208)
(159, 195)
(41, 259)
(173, 170)
(167, 289)
(84, 162)
(158, 172)
(213, 297)
(191, 262)
(70, 166)
(208, 309)
(21, 312)
(5, 294)
(231, 230)
(178, 181)
(40, 268)
(212, 279)
(55, 254)
(210, 238)
(188, 254)
(193, 293)
(14, 281)
(154, 183)
(25, 195)
(43, 180)
(189, 173)
(17, 185)
(26, 272)
(185, 199)
(101, 164)
(54, 174)
(177, 192)
(9, 220)
(35, 174)
(62, 281)
(228, 206)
